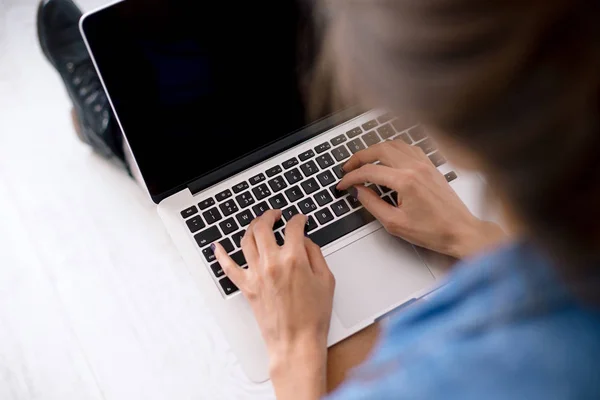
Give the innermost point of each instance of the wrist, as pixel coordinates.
(298, 369)
(475, 237)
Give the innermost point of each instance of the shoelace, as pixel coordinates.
(87, 84)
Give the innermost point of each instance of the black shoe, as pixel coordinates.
(63, 46)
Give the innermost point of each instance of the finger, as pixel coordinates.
(263, 232)
(378, 174)
(384, 212)
(315, 257)
(379, 152)
(249, 245)
(230, 267)
(294, 231)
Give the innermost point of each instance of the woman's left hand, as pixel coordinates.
(290, 289)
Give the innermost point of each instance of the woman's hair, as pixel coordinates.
(515, 82)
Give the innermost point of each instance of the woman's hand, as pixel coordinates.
(429, 213)
(290, 289)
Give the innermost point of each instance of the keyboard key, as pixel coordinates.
(227, 245)
(228, 226)
(386, 131)
(206, 203)
(195, 224)
(277, 184)
(417, 133)
(394, 196)
(240, 187)
(290, 163)
(306, 155)
(311, 225)
(388, 200)
(340, 207)
(279, 239)
(342, 227)
(310, 186)
(374, 188)
(437, 159)
(384, 189)
(338, 139)
(289, 212)
(427, 146)
(340, 153)
(217, 270)
(228, 208)
(371, 138)
(353, 201)
(404, 137)
(245, 217)
(239, 258)
(356, 145)
(188, 212)
(294, 194)
(354, 132)
(208, 236)
(369, 125)
(307, 206)
(279, 224)
(322, 147)
(385, 118)
(237, 238)
(273, 171)
(401, 124)
(223, 195)
(255, 180)
(324, 216)
(261, 191)
(325, 161)
(337, 193)
(211, 216)
(278, 201)
(450, 176)
(245, 199)
(325, 178)
(228, 286)
(338, 170)
(209, 255)
(309, 168)
(260, 208)
(323, 198)
(293, 176)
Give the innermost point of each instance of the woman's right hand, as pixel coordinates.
(429, 213)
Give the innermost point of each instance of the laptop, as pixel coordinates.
(213, 102)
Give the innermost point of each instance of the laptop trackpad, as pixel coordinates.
(373, 274)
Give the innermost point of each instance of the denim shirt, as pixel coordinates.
(505, 326)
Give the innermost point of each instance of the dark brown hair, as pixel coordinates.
(516, 82)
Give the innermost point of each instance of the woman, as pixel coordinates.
(510, 89)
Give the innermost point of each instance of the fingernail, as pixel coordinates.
(353, 192)
(213, 247)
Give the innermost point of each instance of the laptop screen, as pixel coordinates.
(197, 85)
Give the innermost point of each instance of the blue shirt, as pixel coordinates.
(504, 327)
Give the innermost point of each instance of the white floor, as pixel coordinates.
(95, 302)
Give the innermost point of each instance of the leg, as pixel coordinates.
(348, 354)
(63, 46)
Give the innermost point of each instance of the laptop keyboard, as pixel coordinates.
(304, 184)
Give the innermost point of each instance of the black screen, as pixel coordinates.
(197, 85)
